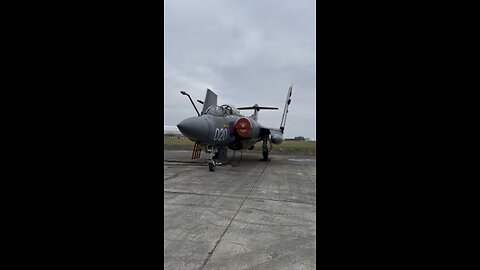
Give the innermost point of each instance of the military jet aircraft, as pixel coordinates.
(219, 127)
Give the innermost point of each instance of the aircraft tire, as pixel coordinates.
(265, 155)
(211, 166)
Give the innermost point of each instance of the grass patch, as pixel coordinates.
(177, 144)
(293, 147)
(286, 147)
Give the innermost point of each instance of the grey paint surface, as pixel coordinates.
(257, 215)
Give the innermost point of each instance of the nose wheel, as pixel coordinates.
(211, 165)
(211, 160)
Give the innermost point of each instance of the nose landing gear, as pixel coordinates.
(210, 159)
(211, 165)
(216, 156)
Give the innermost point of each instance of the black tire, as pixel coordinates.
(211, 167)
(265, 155)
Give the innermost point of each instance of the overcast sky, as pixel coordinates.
(246, 51)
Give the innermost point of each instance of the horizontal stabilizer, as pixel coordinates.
(257, 108)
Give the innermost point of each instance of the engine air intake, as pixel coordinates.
(243, 126)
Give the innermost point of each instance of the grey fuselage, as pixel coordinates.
(217, 128)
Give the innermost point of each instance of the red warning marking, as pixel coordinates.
(197, 150)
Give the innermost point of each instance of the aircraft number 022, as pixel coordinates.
(220, 134)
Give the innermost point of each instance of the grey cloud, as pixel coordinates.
(247, 52)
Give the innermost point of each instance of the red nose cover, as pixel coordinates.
(243, 127)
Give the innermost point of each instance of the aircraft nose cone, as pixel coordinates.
(195, 128)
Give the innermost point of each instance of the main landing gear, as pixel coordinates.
(265, 149)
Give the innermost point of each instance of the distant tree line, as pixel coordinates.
(299, 138)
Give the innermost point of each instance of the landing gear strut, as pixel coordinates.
(265, 149)
(211, 165)
(210, 159)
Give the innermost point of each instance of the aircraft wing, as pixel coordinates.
(270, 130)
(274, 129)
(276, 134)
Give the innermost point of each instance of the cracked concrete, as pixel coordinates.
(258, 215)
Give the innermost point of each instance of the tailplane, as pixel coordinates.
(256, 108)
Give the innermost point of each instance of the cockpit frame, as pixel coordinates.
(224, 110)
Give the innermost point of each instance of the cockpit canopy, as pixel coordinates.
(224, 110)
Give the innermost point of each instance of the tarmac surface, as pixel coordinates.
(254, 215)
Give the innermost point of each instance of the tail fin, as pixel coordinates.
(285, 110)
(210, 100)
